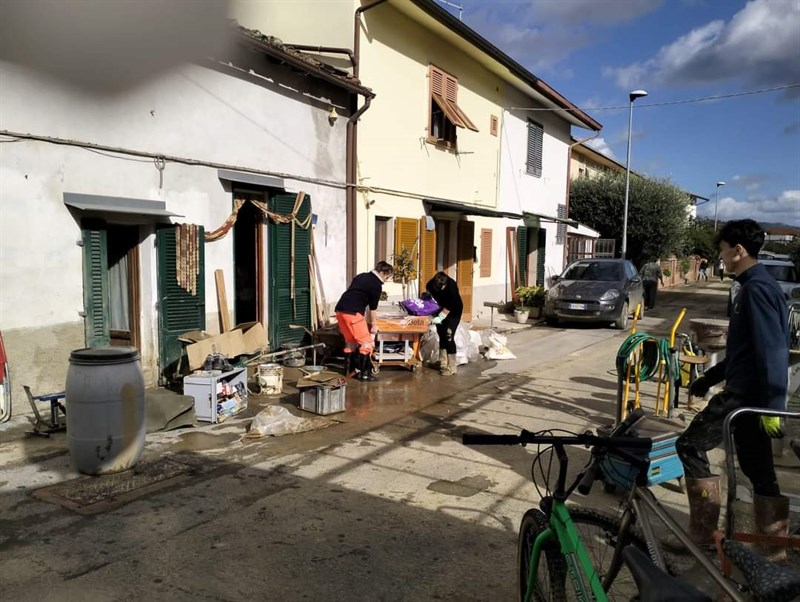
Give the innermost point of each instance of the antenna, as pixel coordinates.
(453, 5)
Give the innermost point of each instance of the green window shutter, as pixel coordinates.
(533, 160)
(541, 240)
(95, 287)
(522, 262)
(283, 309)
(178, 310)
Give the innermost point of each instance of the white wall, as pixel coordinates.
(277, 124)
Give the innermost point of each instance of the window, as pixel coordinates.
(533, 165)
(382, 247)
(561, 230)
(486, 253)
(445, 114)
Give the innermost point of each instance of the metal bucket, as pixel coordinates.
(270, 377)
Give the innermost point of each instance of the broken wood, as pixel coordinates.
(222, 302)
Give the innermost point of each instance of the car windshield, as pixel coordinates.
(594, 270)
(783, 273)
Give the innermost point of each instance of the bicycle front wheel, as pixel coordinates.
(600, 535)
(551, 570)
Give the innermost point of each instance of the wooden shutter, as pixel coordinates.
(285, 309)
(561, 230)
(533, 165)
(541, 240)
(465, 261)
(444, 90)
(405, 237)
(522, 256)
(486, 253)
(427, 254)
(95, 287)
(178, 310)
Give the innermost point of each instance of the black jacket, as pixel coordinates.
(756, 363)
(364, 290)
(448, 298)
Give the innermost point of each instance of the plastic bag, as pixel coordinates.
(420, 307)
(276, 421)
(429, 346)
(496, 344)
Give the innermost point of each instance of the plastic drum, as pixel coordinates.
(105, 409)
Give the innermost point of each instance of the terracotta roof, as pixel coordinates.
(275, 48)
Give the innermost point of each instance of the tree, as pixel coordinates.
(700, 237)
(657, 212)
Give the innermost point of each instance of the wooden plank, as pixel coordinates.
(222, 302)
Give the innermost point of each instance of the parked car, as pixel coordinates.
(785, 272)
(595, 290)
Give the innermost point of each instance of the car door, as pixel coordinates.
(635, 286)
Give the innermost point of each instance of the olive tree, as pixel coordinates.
(657, 213)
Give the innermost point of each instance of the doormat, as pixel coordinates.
(93, 495)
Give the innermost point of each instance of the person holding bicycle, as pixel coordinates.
(755, 371)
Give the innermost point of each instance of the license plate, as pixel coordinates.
(576, 305)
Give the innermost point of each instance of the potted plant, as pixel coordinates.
(405, 269)
(530, 300)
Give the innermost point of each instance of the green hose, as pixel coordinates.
(653, 352)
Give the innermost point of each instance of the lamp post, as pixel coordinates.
(632, 96)
(716, 202)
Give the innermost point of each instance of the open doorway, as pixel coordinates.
(248, 252)
(123, 285)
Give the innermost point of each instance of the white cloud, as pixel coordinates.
(784, 208)
(574, 12)
(750, 182)
(601, 146)
(760, 44)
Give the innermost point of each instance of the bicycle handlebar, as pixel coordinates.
(527, 437)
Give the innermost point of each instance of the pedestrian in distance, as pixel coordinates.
(364, 291)
(721, 269)
(703, 275)
(651, 276)
(444, 291)
(755, 371)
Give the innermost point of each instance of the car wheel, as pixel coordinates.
(621, 323)
(551, 320)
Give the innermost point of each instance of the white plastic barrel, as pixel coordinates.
(105, 409)
(270, 377)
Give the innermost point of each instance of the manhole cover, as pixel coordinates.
(91, 495)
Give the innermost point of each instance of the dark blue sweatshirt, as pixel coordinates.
(756, 364)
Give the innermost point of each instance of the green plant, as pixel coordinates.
(529, 296)
(405, 268)
(684, 265)
(667, 272)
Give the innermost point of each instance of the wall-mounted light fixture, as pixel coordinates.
(332, 115)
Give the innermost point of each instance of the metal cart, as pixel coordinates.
(407, 330)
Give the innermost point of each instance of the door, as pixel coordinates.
(541, 244)
(290, 284)
(248, 252)
(427, 254)
(465, 263)
(181, 292)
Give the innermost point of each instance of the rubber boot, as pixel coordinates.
(445, 369)
(452, 363)
(350, 364)
(442, 358)
(704, 507)
(365, 368)
(771, 518)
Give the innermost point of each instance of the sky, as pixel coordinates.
(595, 52)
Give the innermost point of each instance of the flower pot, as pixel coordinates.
(535, 312)
(521, 315)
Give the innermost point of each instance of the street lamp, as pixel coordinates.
(632, 96)
(716, 202)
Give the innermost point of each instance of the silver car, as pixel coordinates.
(595, 290)
(784, 271)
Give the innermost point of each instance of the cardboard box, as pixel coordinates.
(244, 338)
(254, 336)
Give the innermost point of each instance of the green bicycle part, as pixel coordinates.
(572, 548)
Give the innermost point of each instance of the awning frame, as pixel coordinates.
(466, 209)
(104, 205)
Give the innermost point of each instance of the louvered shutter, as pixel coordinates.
(178, 310)
(522, 256)
(533, 165)
(427, 254)
(561, 230)
(95, 287)
(464, 265)
(486, 252)
(284, 309)
(541, 241)
(405, 237)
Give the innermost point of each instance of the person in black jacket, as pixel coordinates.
(755, 371)
(364, 291)
(444, 291)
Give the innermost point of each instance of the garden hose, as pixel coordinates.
(653, 353)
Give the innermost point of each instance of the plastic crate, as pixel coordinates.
(323, 400)
(665, 465)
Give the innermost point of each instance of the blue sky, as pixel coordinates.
(596, 51)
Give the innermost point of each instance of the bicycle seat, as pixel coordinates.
(656, 585)
(768, 581)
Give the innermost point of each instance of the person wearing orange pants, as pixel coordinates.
(364, 291)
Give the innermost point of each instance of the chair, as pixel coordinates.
(57, 422)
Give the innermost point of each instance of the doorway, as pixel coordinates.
(248, 253)
(123, 286)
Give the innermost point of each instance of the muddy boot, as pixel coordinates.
(350, 364)
(452, 362)
(442, 359)
(771, 518)
(704, 505)
(444, 367)
(365, 368)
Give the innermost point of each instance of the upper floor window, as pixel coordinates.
(533, 164)
(445, 114)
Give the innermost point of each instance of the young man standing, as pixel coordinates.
(444, 291)
(651, 276)
(364, 291)
(755, 371)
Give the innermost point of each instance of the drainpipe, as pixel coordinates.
(351, 160)
(569, 182)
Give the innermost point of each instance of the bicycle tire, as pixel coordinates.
(551, 581)
(599, 533)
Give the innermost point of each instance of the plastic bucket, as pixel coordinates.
(270, 377)
(105, 409)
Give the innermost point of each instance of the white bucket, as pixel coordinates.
(270, 377)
